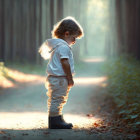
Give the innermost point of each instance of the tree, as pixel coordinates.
(127, 27)
(25, 24)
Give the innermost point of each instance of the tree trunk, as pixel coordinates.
(59, 10)
(2, 25)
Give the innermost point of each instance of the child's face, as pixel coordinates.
(70, 39)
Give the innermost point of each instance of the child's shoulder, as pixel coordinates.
(63, 47)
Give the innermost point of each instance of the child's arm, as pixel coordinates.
(67, 70)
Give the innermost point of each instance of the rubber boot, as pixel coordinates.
(57, 122)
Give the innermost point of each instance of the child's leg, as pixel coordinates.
(58, 94)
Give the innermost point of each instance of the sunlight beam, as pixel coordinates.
(90, 80)
(94, 60)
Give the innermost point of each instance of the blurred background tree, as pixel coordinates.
(110, 27)
(25, 24)
(124, 28)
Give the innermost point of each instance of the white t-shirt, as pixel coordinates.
(62, 50)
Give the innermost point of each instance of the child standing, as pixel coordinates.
(60, 69)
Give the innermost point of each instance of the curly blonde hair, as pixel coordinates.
(67, 24)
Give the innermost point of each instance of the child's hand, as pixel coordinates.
(70, 82)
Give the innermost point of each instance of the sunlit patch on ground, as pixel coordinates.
(89, 81)
(22, 121)
(37, 120)
(5, 83)
(94, 60)
(22, 77)
(81, 121)
(12, 77)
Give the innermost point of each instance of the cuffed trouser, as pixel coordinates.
(58, 91)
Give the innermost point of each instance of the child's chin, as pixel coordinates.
(72, 43)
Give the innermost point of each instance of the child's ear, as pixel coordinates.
(67, 33)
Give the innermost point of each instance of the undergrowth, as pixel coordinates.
(124, 86)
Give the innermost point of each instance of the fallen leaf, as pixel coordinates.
(25, 134)
(120, 130)
(89, 115)
(46, 133)
(2, 132)
(103, 126)
(96, 124)
(109, 123)
(9, 138)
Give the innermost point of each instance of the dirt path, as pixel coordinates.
(23, 110)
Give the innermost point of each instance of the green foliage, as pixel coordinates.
(124, 85)
(3, 70)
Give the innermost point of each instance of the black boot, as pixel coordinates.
(57, 122)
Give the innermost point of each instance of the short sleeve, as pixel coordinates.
(63, 51)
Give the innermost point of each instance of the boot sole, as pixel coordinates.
(57, 127)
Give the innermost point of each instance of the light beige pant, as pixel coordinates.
(58, 91)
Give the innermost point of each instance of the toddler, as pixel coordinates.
(60, 69)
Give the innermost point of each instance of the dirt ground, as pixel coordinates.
(23, 110)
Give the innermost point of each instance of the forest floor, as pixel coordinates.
(23, 108)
